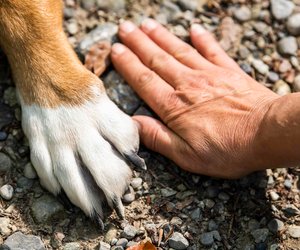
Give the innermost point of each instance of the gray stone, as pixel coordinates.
(6, 192)
(88, 4)
(29, 171)
(103, 32)
(18, 241)
(170, 10)
(178, 241)
(4, 226)
(185, 194)
(111, 5)
(260, 235)
(5, 162)
(212, 225)
(293, 24)
(117, 248)
(132, 243)
(129, 195)
(275, 225)
(288, 184)
(46, 208)
(294, 231)
(273, 76)
(244, 52)
(261, 27)
(72, 246)
(167, 192)
(281, 88)
(122, 242)
(24, 183)
(242, 13)
(246, 68)
(188, 4)
(260, 66)
(282, 9)
(10, 97)
(121, 93)
(212, 191)
(288, 45)
(104, 246)
(136, 183)
(207, 239)
(196, 214)
(6, 117)
(129, 232)
(223, 196)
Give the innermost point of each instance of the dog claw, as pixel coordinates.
(63, 198)
(136, 160)
(99, 221)
(118, 206)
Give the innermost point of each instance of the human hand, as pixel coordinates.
(210, 109)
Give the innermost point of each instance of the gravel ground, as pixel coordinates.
(172, 208)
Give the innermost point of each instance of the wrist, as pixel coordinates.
(277, 141)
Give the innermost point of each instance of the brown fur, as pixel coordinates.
(46, 70)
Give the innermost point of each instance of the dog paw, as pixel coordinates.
(84, 151)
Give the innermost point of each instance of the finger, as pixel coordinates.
(152, 55)
(149, 86)
(207, 46)
(183, 52)
(159, 138)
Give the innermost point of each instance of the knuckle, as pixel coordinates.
(183, 51)
(145, 77)
(158, 60)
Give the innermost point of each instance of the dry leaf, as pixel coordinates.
(97, 58)
(143, 246)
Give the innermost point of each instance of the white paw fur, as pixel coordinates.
(77, 148)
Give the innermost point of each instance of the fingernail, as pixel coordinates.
(117, 48)
(149, 24)
(127, 26)
(197, 29)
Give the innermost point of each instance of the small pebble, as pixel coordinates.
(7, 192)
(212, 225)
(19, 240)
(294, 231)
(4, 226)
(72, 27)
(24, 183)
(136, 183)
(129, 232)
(223, 196)
(296, 84)
(293, 24)
(260, 66)
(288, 46)
(72, 246)
(188, 4)
(29, 171)
(3, 136)
(260, 235)
(246, 68)
(274, 196)
(46, 208)
(117, 248)
(129, 195)
(242, 14)
(5, 162)
(178, 241)
(281, 9)
(122, 242)
(288, 184)
(207, 239)
(281, 88)
(167, 192)
(275, 225)
(273, 77)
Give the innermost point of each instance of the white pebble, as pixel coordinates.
(6, 192)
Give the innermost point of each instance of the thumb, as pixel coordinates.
(157, 137)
